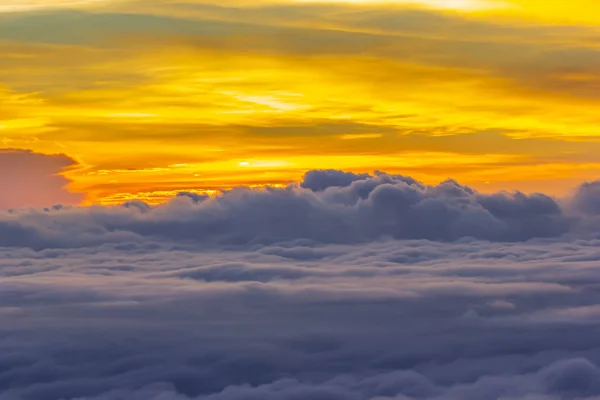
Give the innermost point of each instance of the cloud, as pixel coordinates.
(326, 207)
(396, 319)
(317, 180)
(345, 286)
(195, 197)
(34, 179)
(587, 198)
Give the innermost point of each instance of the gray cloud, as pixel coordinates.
(327, 207)
(318, 180)
(331, 289)
(587, 198)
(386, 320)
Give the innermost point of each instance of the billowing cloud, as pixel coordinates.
(304, 293)
(317, 180)
(587, 198)
(327, 207)
(34, 179)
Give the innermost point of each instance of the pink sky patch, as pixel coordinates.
(31, 179)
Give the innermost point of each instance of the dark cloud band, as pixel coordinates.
(327, 207)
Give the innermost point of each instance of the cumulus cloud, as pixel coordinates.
(366, 287)
(317, 180)
(587, 198)
(34, 179)
(326, 207)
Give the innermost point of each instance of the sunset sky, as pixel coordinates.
(137, 99)
(299, 199)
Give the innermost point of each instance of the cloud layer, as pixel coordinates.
(345, 286)
(386, 320)
(329, 206)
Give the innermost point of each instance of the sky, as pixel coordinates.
(147, 99)
(299, 200)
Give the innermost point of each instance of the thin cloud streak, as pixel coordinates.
(212, 85)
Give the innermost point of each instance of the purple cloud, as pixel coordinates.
(379, 289)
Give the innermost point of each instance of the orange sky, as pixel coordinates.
(197, 95)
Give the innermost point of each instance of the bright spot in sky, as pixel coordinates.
(26, 5)
(263, 163)
(353, 136)
(466, 5)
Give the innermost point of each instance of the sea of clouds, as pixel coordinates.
(343, 287)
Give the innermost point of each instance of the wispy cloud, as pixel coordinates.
(201, 83)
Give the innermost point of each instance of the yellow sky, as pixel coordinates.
(151, 99)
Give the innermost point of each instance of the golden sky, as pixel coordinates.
(151, 98)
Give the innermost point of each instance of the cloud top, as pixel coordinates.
(326, 207)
